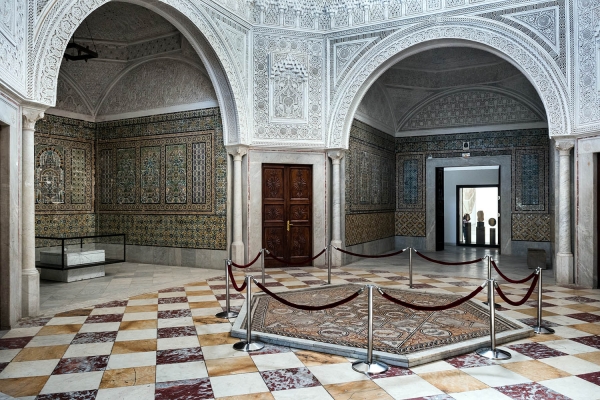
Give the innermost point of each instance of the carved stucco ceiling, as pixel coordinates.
(415, 81)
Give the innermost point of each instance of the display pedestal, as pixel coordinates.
(468, 233)
(71, 272)
(480, 233)
(492, 236)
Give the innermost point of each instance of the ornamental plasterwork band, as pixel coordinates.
(564, 146)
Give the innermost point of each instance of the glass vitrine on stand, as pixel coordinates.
(68, 258)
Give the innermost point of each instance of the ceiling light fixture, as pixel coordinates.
(76, 51)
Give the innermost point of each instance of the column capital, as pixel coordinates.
(564, 146)
(237, 151)
(336, 155)
(31, 116)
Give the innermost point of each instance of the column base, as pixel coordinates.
(564, 268)
(336, 256)
(30, 305)
(237, 252)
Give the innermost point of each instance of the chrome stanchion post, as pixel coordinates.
(227, 313)
(410, 250)
(370, 366)
(489, 276)
(262, 264)
(328, 261)
(492, 352)
(539, 328)
(248, 345)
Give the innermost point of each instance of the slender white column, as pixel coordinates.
(564, 255)
(336, 220)
(237, 246)
(30, 276)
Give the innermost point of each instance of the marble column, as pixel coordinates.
(30, 276)
(336, 204)
(237, 246)
(564, 254)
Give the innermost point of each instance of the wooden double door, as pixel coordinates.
(287, 212)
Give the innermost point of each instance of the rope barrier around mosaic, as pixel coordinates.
(525, 298)
(432, 308)
(370, 256)
(511, 280)
(273, 256)
(232, 279)
(446, 262)
(250, 263)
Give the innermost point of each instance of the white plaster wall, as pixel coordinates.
(319, 163)
(456, 178)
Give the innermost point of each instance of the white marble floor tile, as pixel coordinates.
(181, 371)
(136, 334)
(183, 342)
(569, 346)
(108, 310)
(173, 306)
(167, 295)
(195, 299)
(175, 322)
(140, 392)
(88, 349)
(142, 359)
(407, 387)
(563, 320)
(100, 327)
(29, 368)
(312, 393)
(240, 384)
(571, 364)
(204, 329)
(72, 382)
(496, 375)
(138, 316)
(267, 362)
(142, 302)
(66, 320)
(573, 387)
(51, 340)
(568, 333)
(22, 332)
(485, 394)
(8, 355)
(205, 312)
(221, 351)
(432, 367)
(336, 373)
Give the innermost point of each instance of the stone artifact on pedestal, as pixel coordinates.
(492, 222)
(480, 230)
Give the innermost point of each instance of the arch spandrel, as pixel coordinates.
(61, 20)
(488, 35)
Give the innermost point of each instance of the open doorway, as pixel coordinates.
(477, 213)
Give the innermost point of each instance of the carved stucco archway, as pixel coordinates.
(64, 17)
(484, 34)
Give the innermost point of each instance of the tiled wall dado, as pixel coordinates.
(370, 194)
(528, 149)
(160, 179)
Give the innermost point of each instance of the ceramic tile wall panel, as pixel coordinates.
(528, 148)
(370, 185)
(362, 228)
(64, 224)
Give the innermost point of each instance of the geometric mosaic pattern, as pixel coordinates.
(410, 223)
(169, 345)
(362, 228)
(410, 173)
(531, 227)
(530, 169)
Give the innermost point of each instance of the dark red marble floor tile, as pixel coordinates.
(536, 350)
(219, 287)
(469, 360)
(378, 271)
(434, 276)
(78, 365)
(392, 371)
(95, 319)
(593, 377)
(272, 349)
(587, 317)
(435, 397)
(190, 389)
(530, 391)
(83, 395)
(178, 331)
(357, 280)
(341, 273)
(174, 314)
(3, 365)
(291, 378)
(272, 284)
(173, 289)
(422, 286)
(397, 278)
(232, 295)
(533, 322)
(14, 343)
(462, 283)
(95, 337)
(117, 303)
(313, 282)
(580, 299)
(534, 303)
(33, 322)
(172, 300)
(303, 274)
(179, 355)
(592, 341)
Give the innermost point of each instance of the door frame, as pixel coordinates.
(459, 216)
(320, 206)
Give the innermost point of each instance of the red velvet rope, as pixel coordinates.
(445, 262)
(281, 260)
(507, 278)
(232, 279)
(431, 308)
(367, 256)
(249, 264)
(304, 307)
(519, 303)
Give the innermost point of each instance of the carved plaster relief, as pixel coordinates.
(587, 43)
(13, 41)
(68, 99)
(288, 87)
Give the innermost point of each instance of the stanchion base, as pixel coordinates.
(226, 314)
(542, 330)
(245, 346)
(369, 368)
(496, 354)
(496, 305)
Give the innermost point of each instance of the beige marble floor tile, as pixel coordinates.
(217, 339)
(59, 329)
(453, 381)
(140, 324)
(229, 366)
(536, 370)
(128, 377)
(362, 390)
(134, 346)
(312, 358)
(21, 387)
(41, 353)
(593, 328)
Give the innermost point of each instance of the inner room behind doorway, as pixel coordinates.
(483, 177)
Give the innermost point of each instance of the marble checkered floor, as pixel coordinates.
(167, 344)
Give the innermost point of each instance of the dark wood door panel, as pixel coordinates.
(300, 183)
(274, 240)
(300, 244)
(274, 214)
(300, 213)
(273, 184)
